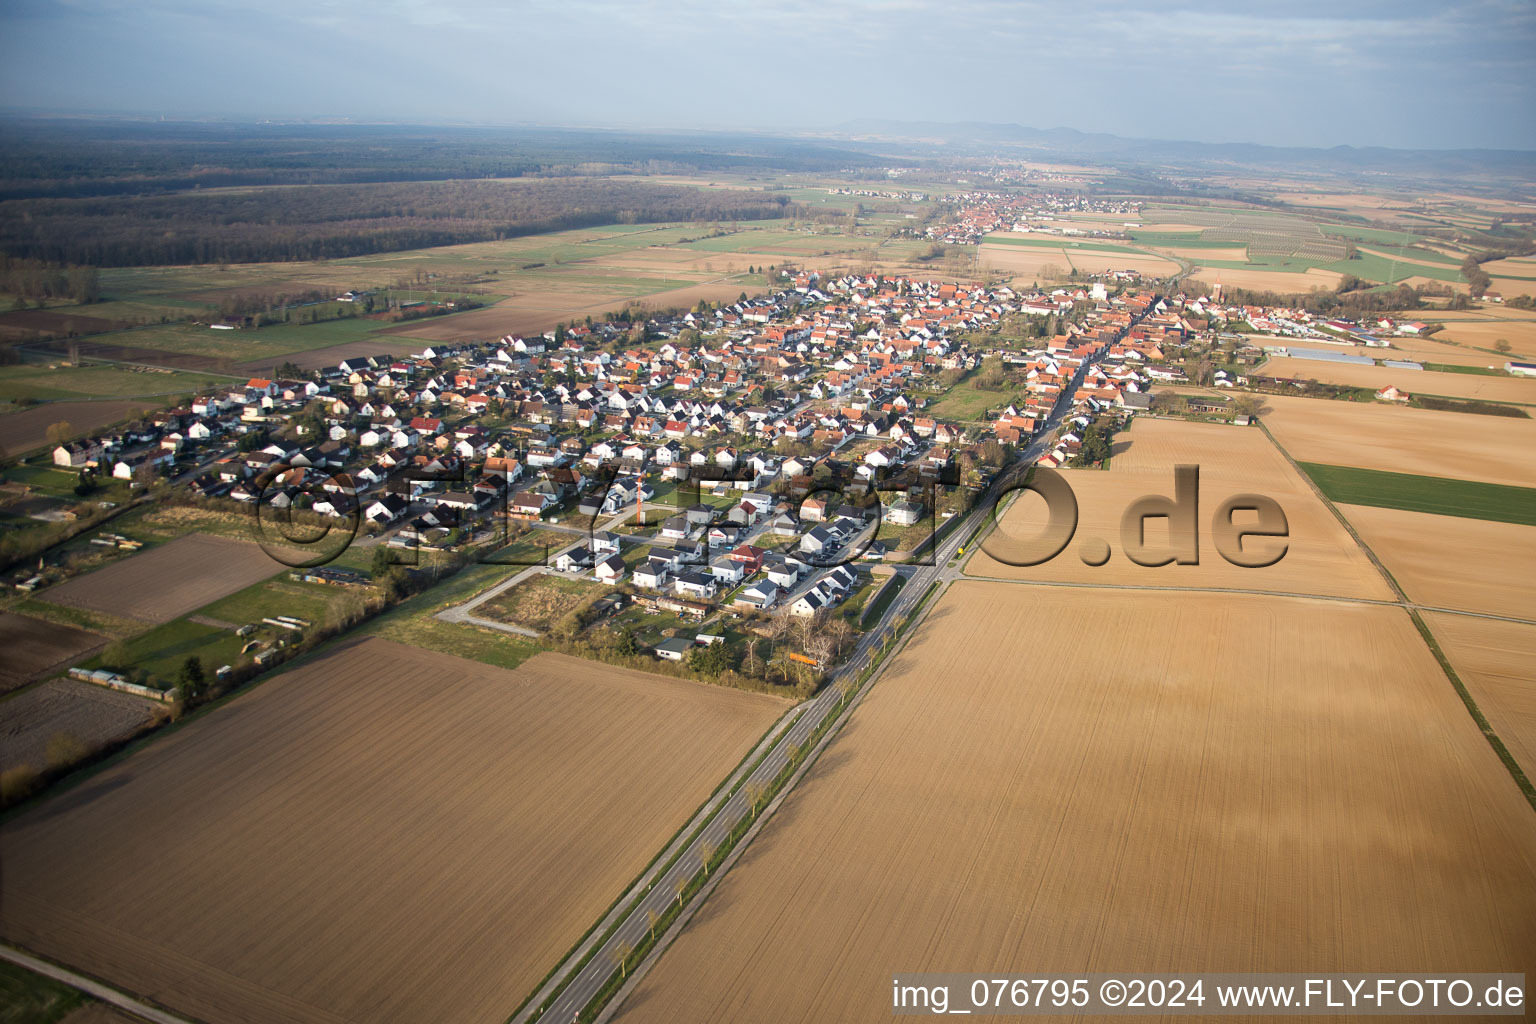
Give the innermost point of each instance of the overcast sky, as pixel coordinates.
(1405, 73)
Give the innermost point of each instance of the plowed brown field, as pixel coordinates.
(1092, 780)
(384, 834)
(1321, 557)
(169, 581)
(35, 648)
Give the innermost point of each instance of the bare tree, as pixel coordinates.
(707, 848)
(60, 432)
(681, 887)
(848, 686)
(755, 791)
(840, 631)
(820, 644)
(651, 918)
(620, 955)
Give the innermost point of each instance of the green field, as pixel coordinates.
(99, 381)
(47, 478)
(1481, 371)
(1467, 499)
(1377, 236)
(27, 998)
(161, 651)
(1389, 271)
(1178, 240)
(965, 402)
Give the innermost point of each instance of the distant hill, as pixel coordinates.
(1070, 143)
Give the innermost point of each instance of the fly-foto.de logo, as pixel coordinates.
(1248, 530)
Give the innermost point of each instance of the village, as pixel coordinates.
(759, 456)
(778, 455)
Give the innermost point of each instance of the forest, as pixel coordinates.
(337, 221)
(42, 158)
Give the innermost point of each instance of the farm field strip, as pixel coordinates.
(1493, 660)
(1467, 499)
(1425, 382)
(168, 581)
(1019, 797)
(35, 648)
(89, 716)
(1321, 558)
(1448, 563)
(366, 793)
(24, 431)
(1380, 436)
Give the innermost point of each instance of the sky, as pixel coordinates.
(1423, 74)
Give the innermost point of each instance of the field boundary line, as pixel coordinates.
(91, 987)
(701, 896)
(577, 955)
(1522, 782)
(633, 903)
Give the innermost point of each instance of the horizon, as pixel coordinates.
(1399, 76)
(831, 133)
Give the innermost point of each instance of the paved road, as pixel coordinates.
(659, 893)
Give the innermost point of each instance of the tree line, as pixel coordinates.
(42, 158)
(302, 223)
(41, 279)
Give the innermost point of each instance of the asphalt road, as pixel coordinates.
(656, 894)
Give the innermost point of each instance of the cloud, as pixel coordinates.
(1319, 72)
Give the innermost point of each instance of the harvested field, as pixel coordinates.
(541, 309)
(119, 348)
(1013, 798)
(35, 649)
(1482, 333)
(1434, 350)
(94, 716)
(1481, 387)
(1195, 255)
(21, 432)
(1493, 659)
(1028, 261)
(1381, 436)
(417, 837)
(1516, 266)
(168, 581)
(1514, 286)
(1280, 281)
(1321, 557)
(1467, 564)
